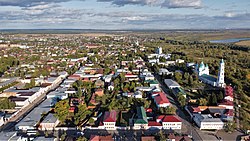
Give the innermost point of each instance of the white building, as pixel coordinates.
(109, 120)
(171, 122)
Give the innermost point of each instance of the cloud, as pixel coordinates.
(132, 2)
(230, 14)
(29, 3)
(182, 4)
(162, 3)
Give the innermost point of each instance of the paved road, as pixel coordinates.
(191, 130)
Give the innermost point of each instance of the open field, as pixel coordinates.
(243, 43)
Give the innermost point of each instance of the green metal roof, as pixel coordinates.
(152, 81)
(141, 116)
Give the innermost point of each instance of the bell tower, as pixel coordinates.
(220, 80)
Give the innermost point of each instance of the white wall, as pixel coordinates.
(140, 126)
(109, 125)
(212, 125)
(172, 125)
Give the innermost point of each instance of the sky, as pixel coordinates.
(124, 14)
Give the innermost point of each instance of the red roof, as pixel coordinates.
(171, 118)
(160, 117)
(110, 116)
(154, 123)
(229, 91)
(161, 98)
(100, 138)
(148, 110)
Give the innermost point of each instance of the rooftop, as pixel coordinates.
(171, 118)
(35, 115)
(50, 118)
(161, 98)
(207, 118)
(171, 83)
(209, 77)
(141, 116)
(110, 116)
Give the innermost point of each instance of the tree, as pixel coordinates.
(213, 99)
(91, 120)
(202, 102)
(82, 138)
(190, 81)
(170, 110)
(6, 103)
(162, 59)
(81, 114)
(186, 76)
(32, 82)
(181, 100)
(160, 136)
(230, 126)
(62, 110)
(79, 93)
(220, 96)
(178, 76)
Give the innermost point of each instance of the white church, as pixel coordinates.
(203, 73)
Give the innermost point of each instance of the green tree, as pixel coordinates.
(190, 81)
(170, 110)
(186, 75)
(62, 110)
(32, 82)
(178, 76)
(6, 103)
(220, 96)
(82, 138)
(79, 93)
(213, 99)
(181, 100)
(202, 102)
(81, 114)
(230, 126)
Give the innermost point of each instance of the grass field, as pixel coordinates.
(243, 43)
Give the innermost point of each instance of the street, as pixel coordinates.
(190, 129)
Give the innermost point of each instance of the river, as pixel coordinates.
(231, 40)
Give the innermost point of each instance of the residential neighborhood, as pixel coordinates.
(74, 87)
